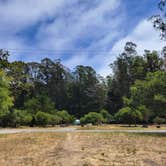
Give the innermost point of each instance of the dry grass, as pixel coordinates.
(82, 149)
(121, 149)
(30, 149)
(120, 127)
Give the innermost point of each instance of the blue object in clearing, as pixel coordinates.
(77, 122)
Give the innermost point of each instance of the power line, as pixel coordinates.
(60, 51)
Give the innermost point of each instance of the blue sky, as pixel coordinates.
(87, 32)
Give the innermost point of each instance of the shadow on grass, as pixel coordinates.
(151, 134)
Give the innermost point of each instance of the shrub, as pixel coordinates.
(107, 118)
(65, 117)
(145, 113)
(92, 117)
(55, 120)
(22, 117)
(159, 120)
(128, 116)
(42, 118)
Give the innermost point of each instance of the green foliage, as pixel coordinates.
(146, 113)
(135, 92)
(159, 21)
(40, 103)
(6, 102)
(159, 120)
(4, 59)
(107, 118)
(151, 93)
(65, 117)
(22, 117)
(92, 117)
(20, 85)
(55, 120)
(42, 118)
(128, 116)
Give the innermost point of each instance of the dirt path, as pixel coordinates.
(70, 153)
(74, 130)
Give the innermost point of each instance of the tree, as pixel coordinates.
(107, 118)
(56, 77)
(127, 68)
(128, 116)
(40, 103)
(153, 61)
(87, 92)
(159, 121)
(163, 53)
(66, 118)
(92, 117)
(151, 93)
(159, 21)
(6, 102)
(20, 85)
(42, 118)
(145, 114)
(4, 59)
(21, 118)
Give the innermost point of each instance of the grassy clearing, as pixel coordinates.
(30, 149)
(82, 149)
(120, 127)
(116, 149)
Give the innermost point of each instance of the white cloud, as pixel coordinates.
(78, 24)
(63, 25)
(84, 30)
(19, 14)
(143, 35)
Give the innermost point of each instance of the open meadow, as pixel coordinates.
(82, 149)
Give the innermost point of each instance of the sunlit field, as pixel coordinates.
(121, 127)
(82, 149)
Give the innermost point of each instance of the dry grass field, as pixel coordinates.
(82, 149)
(121, 127)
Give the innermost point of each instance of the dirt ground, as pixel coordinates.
(82, 149)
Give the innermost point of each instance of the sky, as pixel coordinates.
(79, 32)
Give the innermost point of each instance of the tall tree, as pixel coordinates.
(159, 20)
(4, 59)
(126, 68)
(6, 102)
(87, 94)
(150, 93)
(20, 85)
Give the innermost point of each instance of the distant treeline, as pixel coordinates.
(49, 93)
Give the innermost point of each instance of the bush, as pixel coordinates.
(92, 117)
(55, 120)
(42, 118)
(66, 118)
(128, 116)
(22, 117)
(159, 120)
(107, 118)
(15, 118)
(145, 113)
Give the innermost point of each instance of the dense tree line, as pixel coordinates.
(48, 93)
